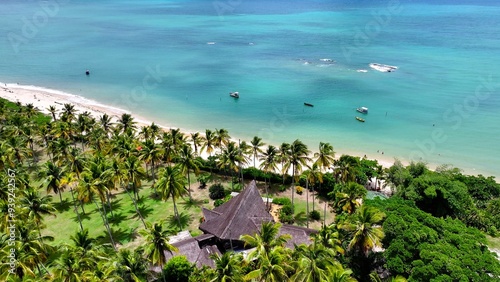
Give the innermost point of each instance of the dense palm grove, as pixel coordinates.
(431, 229)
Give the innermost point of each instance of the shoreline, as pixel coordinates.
(42, 98)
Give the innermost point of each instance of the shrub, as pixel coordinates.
(282, 201)
(299, 190)
(288, 219)
(286, 214)
(216, 191)
(315, 215)
(283, 188)
(219, 202)
(286, 209)
(203, 179)
(178, 269)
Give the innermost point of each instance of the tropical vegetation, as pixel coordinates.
(96, 199)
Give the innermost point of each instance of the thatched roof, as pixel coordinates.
(300, 235)
(240, 215)
(190, 248)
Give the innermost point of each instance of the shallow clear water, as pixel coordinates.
(152, 58)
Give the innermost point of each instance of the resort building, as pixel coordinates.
(223, 226)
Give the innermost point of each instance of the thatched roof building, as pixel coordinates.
(223, 226)
(241, 215)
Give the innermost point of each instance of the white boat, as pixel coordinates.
(363, 110)
(211, 43)
(326, 60)
(234, 94)
(382, 67)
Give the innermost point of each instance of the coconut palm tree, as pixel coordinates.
(329, 237)
(266, 239)
(106, 124)
(131, 266)
(156, 244)
(345, 169)
(227, 267)
(314, 175)
(167, 146)
(37, 206)
(171, 184)
(144, 133)
(177, 137)
(325, 156)
(52, 110)
(134, 173)
(283, 153)
(16, 147)
(187, 161)
(197, 141)
(123, 146)
(83, 124)
(365, 229)
(31, 251)
(339, 274)
(230, 159)
(297, 158)
(208, 142)
(151, 152)
(273, 266)
(312, 263)
(95, 181)
(221, 138)
(256, 147)
(70, 265)
(350, 196)
(269, 162)
(68, 113)
(52, 175)
(126, 124)
(61, 151)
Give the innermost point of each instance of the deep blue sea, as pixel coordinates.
(175, 62)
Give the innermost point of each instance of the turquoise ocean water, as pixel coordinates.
(176, 61)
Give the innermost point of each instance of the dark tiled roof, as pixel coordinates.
(241, 215)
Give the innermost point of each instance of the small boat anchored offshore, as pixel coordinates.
(382, 67)
(234, 94)
(363, 110)
(360, 119)
(308, 104)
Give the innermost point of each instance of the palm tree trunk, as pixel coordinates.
(324, 214)
(307, 203)
(267, 194)
(60, 195)
(76, 208)
(109, 203)
(293, 187)
(137, 209)
(282, 165)
(176, 212)
(153, 175)
(81, 206)
(189, 185)
(313, 193)
(105, 220)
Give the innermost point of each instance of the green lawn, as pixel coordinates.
(124, 223)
